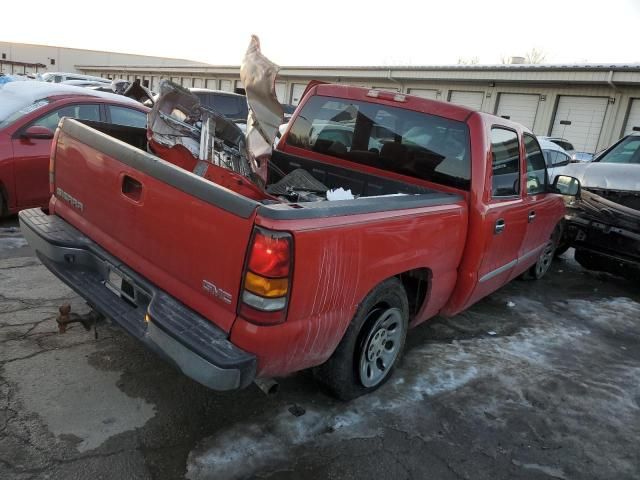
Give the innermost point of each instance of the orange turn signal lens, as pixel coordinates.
(266, 287)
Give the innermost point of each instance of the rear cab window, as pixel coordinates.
(505, 163)
(415, 144)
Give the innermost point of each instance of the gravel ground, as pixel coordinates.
(538, 381)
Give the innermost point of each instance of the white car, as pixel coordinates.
(59, 77)
(569, 149)
(555, 156)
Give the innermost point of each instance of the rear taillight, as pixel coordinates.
(52, 163)
(267, 278)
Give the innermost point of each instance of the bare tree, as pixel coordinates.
(468, 61)
(535, 56)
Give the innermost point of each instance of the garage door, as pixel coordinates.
(467, 99)
(579, 120)
(297, 89)
(633, 120)
(198, 82)
(519, 108)
(226, 85)
(281, 91)
(424, 93)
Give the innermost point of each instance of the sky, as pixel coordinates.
(334, 32)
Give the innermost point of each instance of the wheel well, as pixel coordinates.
(417, 284)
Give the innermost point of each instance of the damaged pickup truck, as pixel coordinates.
(375, 212)
(603, 223)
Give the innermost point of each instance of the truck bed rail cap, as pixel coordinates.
(355, 207)
(159, 169)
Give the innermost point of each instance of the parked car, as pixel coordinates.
(288, 111)
(59, 77)
(231, 288)
(568, 147)
(555, 156)
(603, 223)
(86, 83)
(29, 115)
(231, 105)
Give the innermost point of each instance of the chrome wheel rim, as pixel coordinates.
(544, 262)
(381, 347)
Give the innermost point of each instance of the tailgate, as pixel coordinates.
(183, 233)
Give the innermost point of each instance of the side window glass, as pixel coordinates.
(536, 167)
(80, 112)
(505, 163)
(128, 117)
(561, 160)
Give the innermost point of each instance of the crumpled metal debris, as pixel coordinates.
(179, 125)
(258, 76)
(178, 118)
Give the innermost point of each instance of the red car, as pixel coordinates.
(29, 115)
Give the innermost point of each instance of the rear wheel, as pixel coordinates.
(371, 346)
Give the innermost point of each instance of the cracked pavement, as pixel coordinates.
(548, 388)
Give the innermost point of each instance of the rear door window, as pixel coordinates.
(127, 117)
(505, 165)
(78, 111)
(411, 143)
(561, 159)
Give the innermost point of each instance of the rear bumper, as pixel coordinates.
(197, 347)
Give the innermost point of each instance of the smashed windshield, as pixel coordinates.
(399, 140)
(627, 151)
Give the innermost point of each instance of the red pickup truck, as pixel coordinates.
(448, 205)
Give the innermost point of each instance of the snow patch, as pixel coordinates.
(9, 243)
(430, 370)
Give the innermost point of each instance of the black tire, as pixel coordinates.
(341, 374)
(543, 264)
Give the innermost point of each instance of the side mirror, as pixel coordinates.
(567, 185)
(36, 131)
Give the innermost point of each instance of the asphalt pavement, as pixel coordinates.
(541, 380)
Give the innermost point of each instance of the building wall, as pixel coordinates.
(60, 59)
(619, 87)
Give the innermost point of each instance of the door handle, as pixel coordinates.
(500, 225)
(131, 188)
(532, 216)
